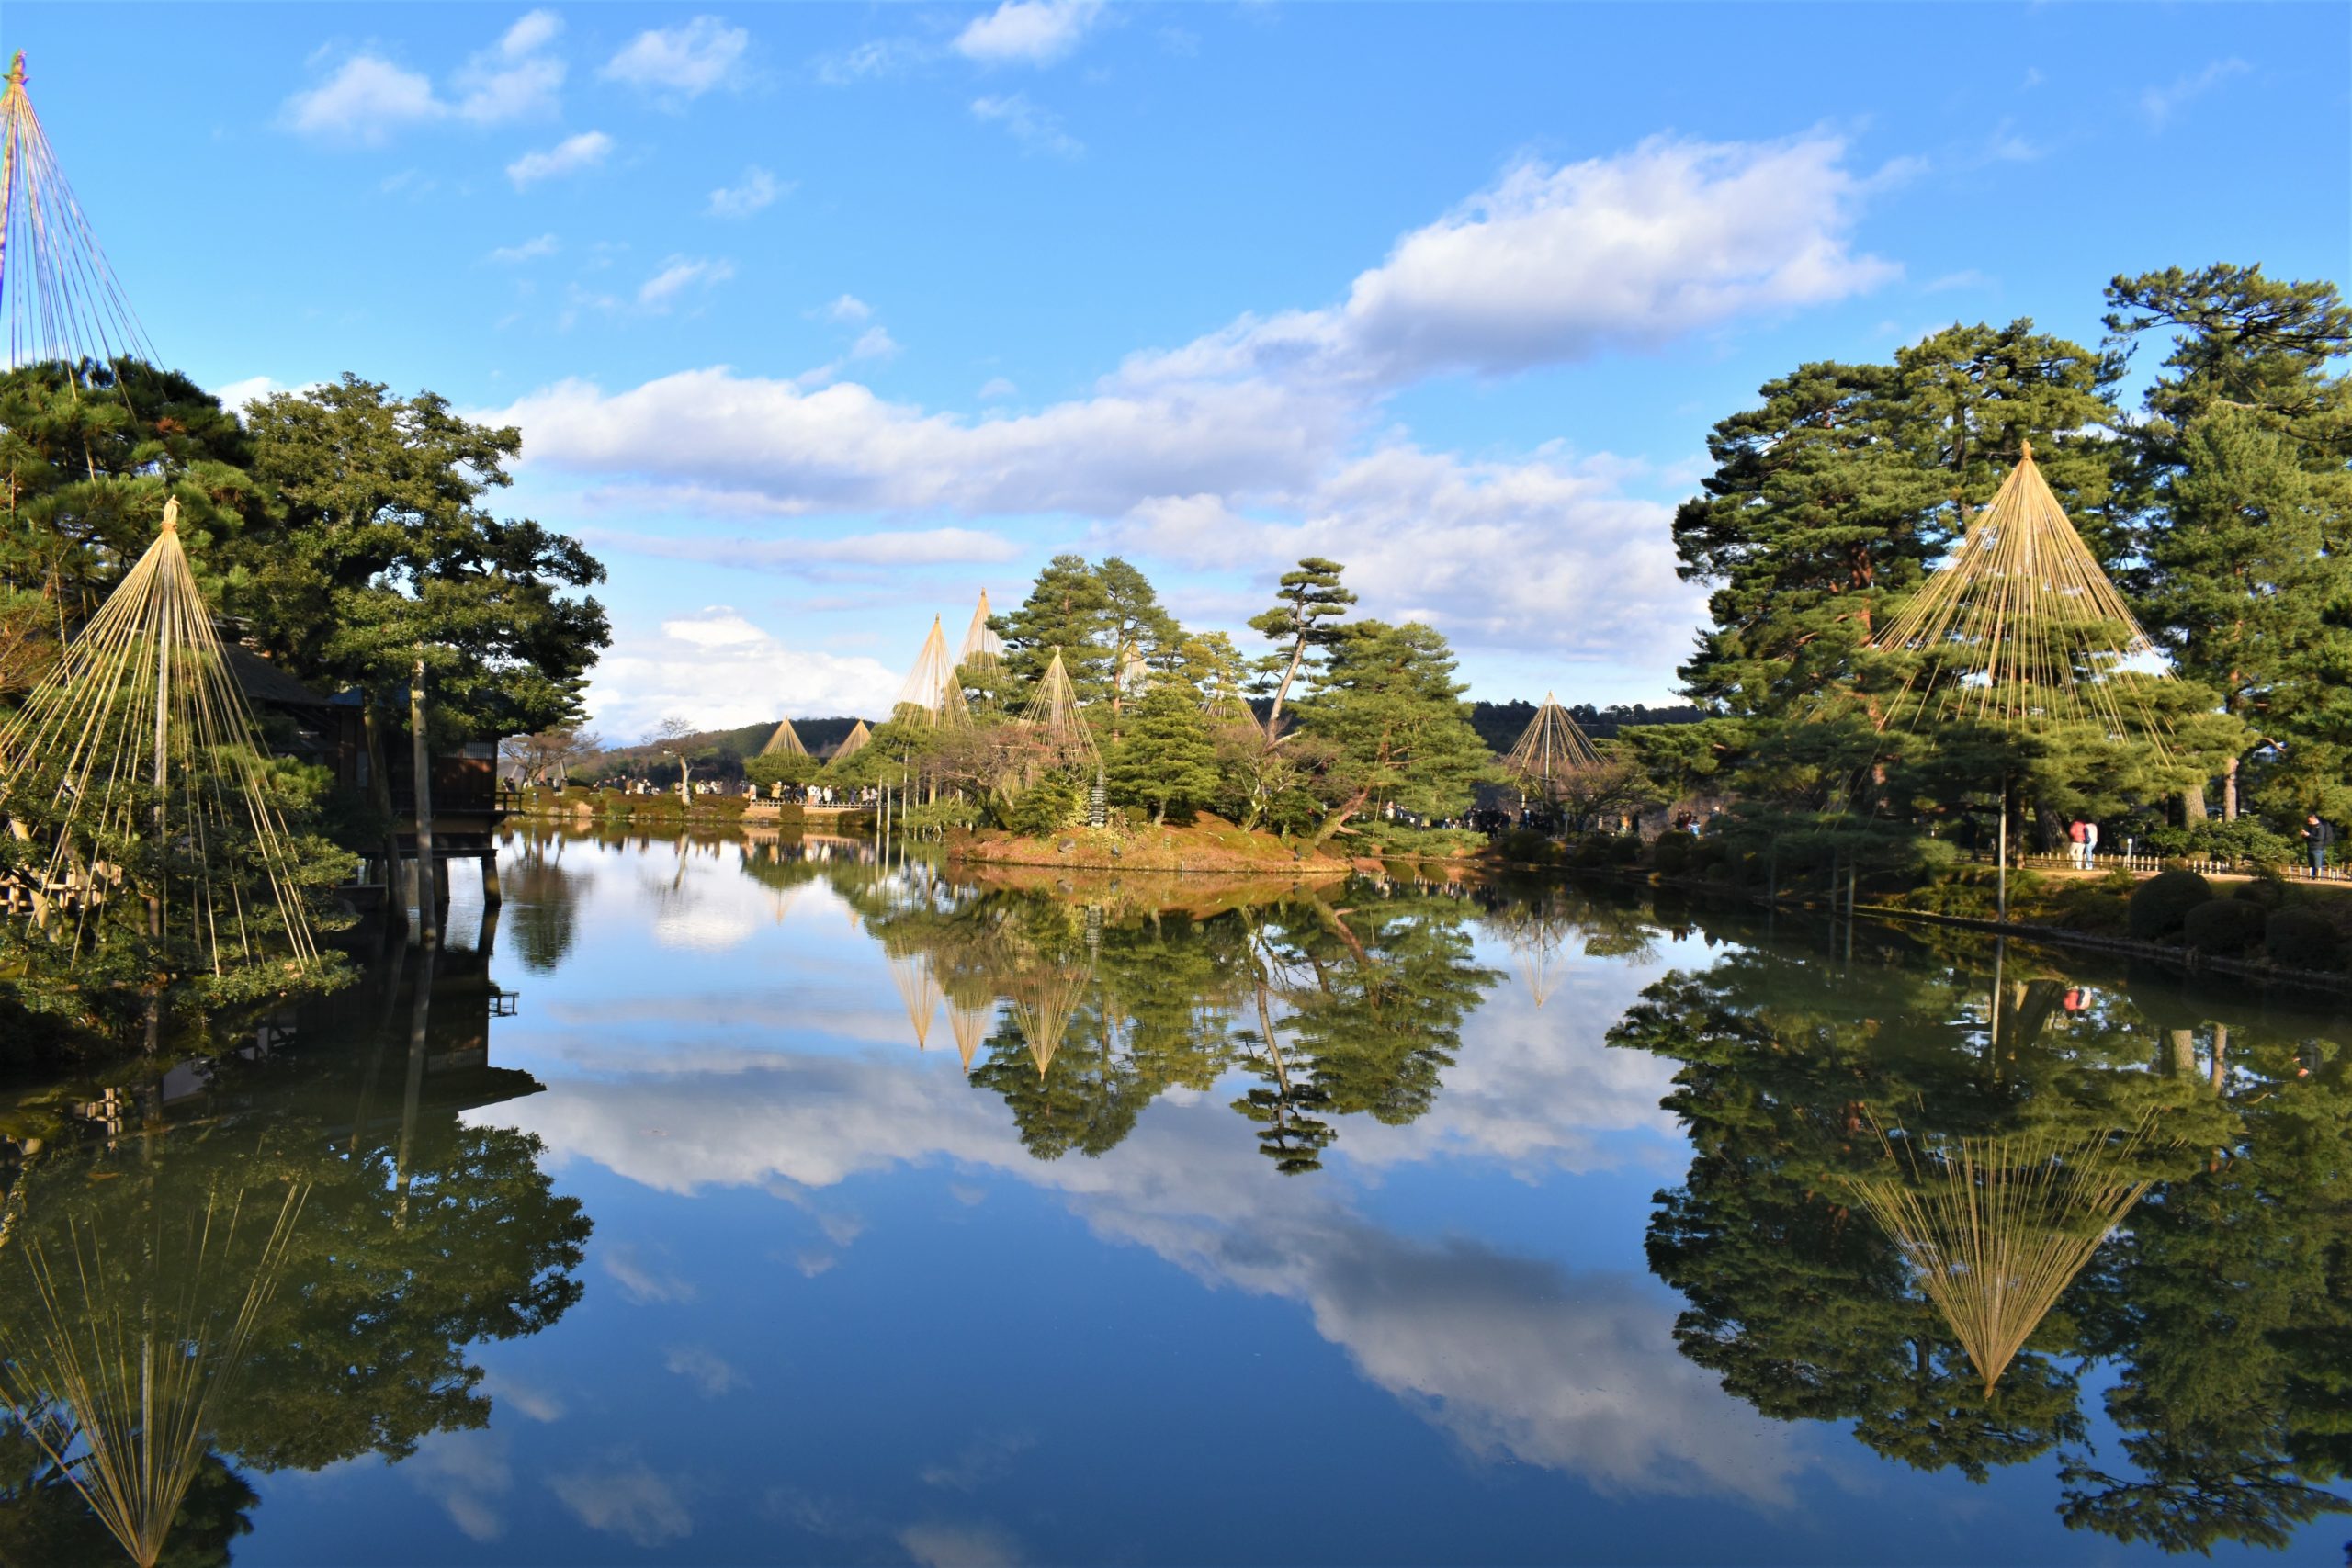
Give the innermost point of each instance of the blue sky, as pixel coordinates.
(817, 320)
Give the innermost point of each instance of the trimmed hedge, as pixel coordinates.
(2267, 891)
(2301, 939)
(2161, 903)
(2224, 927)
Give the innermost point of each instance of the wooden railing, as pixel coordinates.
(2141, 863)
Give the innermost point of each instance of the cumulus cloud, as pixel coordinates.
(872, 59)
(513, 80)
(890, 547)
(1264, 438)
(723, 670)
(682, 62)
(1037, 129)
(1028, 32)
(874, 342)
(572, 155)
(367, 98)
(679, 273)
(758, 188)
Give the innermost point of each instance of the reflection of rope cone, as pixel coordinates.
(1998, 1228)
(971, 1025)
(1534, 967)
(1043, 1005)
(139, 1344)
(919, 990)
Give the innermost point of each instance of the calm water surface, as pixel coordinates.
(752, 1203)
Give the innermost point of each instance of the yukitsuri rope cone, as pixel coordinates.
(1998, 1228)
(1551, 746)
(1054, 715)
(785, 739)
(853, 742)
(139, 1340)
(135, 769)
(982, 650)
(2020, 627)
(60, 299)
(931, 685)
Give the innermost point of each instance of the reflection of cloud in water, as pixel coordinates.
(632, 1502)
(1536, 1089)
(711, 1374)
(467, 1474)
(1514, 1357)
(959, 1546)
(703, 929)
(639, 1281)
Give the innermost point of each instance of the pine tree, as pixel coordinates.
(1067, 608)
(1166, 758)
(2246, 514)
(1306, 616)
(1389, 706)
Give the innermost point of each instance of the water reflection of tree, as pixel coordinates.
(2222, 1302)
(1099, 1011)
(543, 901)
(418, 1237)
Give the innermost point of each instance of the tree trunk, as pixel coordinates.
(1275, 714)
(428, 876)
(2192, 805)
(2229, 791)
(1338, 818)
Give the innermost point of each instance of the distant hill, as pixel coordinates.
(720, 752)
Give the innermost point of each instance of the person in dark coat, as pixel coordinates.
(2317, 837)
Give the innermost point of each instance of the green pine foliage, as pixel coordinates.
(1165, 760)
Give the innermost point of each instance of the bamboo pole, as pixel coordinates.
(428, 880)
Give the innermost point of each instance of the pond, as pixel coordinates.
(757, 1200)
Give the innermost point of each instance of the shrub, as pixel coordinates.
(2264, 892)
(2107, 913)
(2243, 839)
(2224, 927)
(2159, 904)
(1051, 803)
(1524, 846)
(1670, 856)
(2301, 939)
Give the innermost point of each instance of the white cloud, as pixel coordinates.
(758, 188)
(1556, 264)
(869, 61)
(366, 99)
(1037, 129)
(1028, 32)
(634, 1502)
(679, 273)
(235, 395)
(467, 1472)
(513, 80)
(2160, 103)
(682, 62)
(643, 1283)
(529, 250)
(874, 342)
(903, 547)
(722, 669)
(1265, 438)
(997, 388)
(572, 155)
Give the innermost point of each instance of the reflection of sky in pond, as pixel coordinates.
(836, 1311)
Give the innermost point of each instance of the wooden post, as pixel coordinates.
(2001, 889)
(491, 897)
(428, 877)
